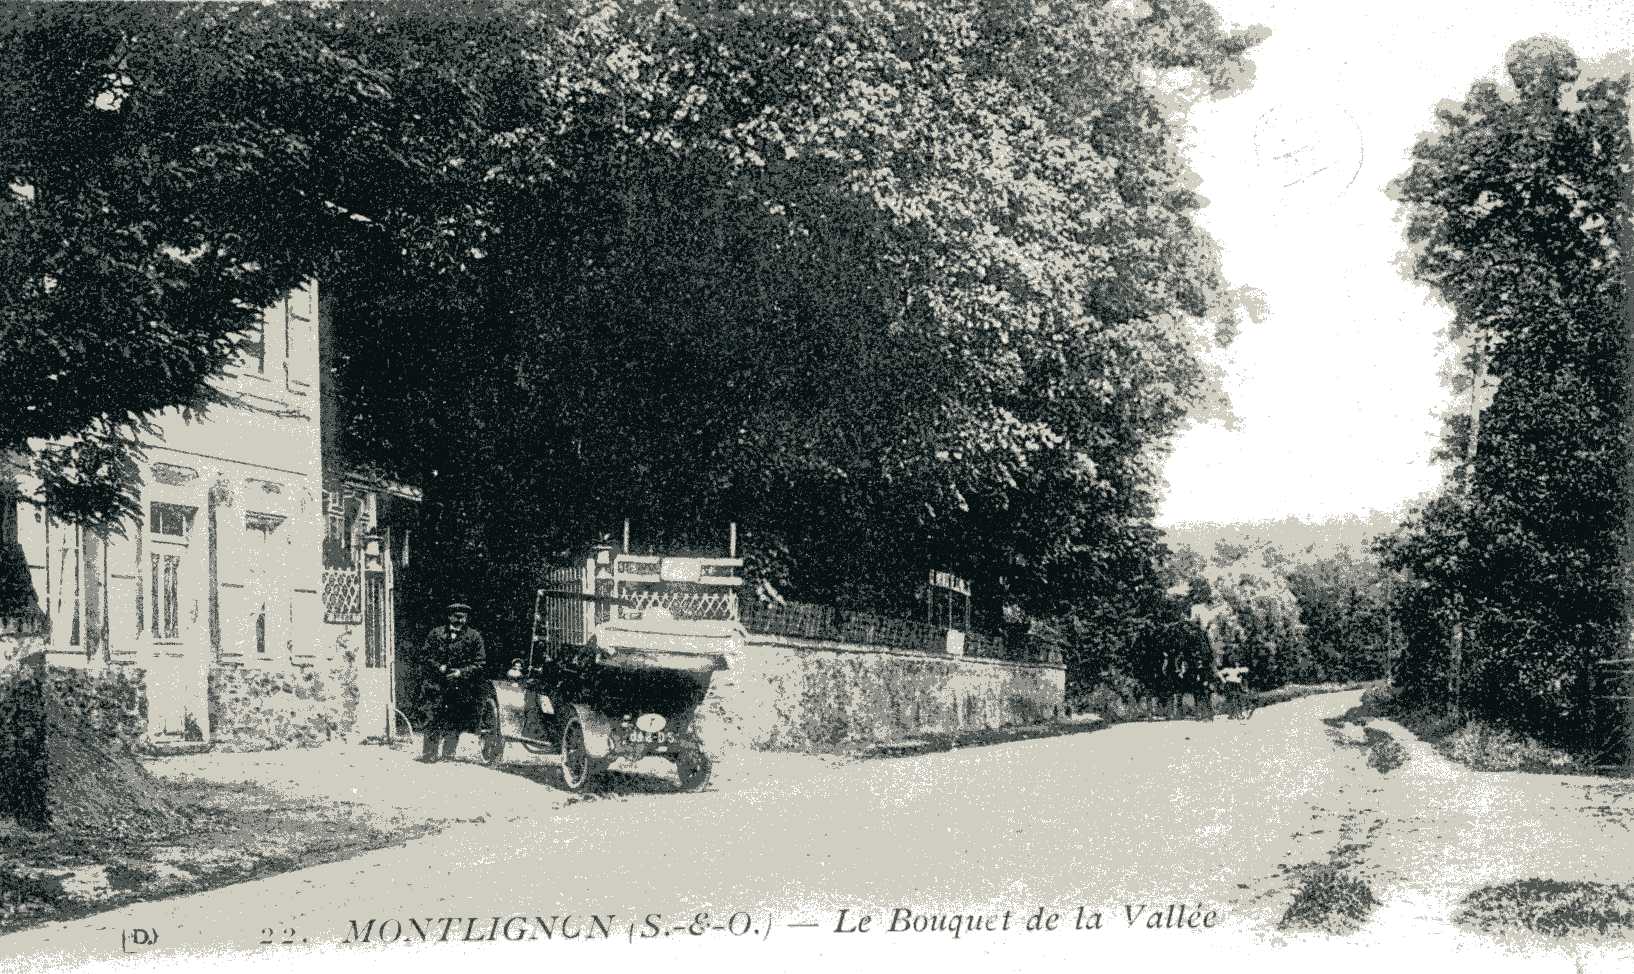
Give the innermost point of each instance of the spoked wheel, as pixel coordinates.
(493, 739)
(693, 769)
(578, 767)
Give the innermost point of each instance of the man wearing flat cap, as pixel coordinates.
(454, 660)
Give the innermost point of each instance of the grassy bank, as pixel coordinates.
(1551, 908)
(1472, 743)
(232, 833)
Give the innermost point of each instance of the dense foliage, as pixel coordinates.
(893, 285)
(1316, 615)
(169, 170)
(1343, 604)
(906, 285)
(1514, 583)
(1253, 619)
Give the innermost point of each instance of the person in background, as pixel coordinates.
(454, 660)
(1204, 677)
(1234, 684)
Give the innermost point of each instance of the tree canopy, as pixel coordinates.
(1518, 216)
(170, 170)
(902, 284)
(891, 284)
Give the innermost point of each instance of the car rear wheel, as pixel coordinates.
(493, 738)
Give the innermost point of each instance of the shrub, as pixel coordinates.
(1330, 900)
(1384, 754)
(1379, 698)
(1550, 907)
(1485, 747)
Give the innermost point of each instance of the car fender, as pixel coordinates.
(516, 704)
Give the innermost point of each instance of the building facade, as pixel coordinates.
(218, 597)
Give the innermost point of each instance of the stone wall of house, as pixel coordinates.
(112, 702)
(251, 708)
(254, 708)
(787, 693)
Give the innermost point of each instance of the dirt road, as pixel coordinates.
(1223, 819)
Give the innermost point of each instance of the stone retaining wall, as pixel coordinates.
(788, 693)
(254, 708)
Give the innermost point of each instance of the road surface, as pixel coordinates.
(1221, 818)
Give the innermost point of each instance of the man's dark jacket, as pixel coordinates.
(453, 699)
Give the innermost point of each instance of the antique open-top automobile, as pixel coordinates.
(623, 650)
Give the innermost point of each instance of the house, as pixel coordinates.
(253, 606)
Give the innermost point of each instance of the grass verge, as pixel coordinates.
(1293, 691)
(1551, 907)
(234, 833)
(1473, 743)
(1331, 900)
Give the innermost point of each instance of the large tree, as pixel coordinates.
(166, 171)
(1519, 215)
(892, 284)
(900, 285)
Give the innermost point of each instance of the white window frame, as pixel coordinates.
(160, 549)
(65, 605)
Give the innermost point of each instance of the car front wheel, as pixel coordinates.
(578, 767)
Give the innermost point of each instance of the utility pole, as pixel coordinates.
(1389, 629)
(1624, 678)
(1478, 368)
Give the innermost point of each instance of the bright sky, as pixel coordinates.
(1337, 387)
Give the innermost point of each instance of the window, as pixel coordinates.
(166, 571)
(65, 582)
(334, 509)
(170, 529)
(300, 333)
(171, 521)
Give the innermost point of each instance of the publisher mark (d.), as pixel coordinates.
(454, 659)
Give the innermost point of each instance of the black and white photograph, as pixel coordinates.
(816, 484)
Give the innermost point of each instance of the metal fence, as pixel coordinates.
(29, 622)
(1018, 648)
(804, 620)
(828, 622)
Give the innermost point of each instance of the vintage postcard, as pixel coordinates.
(816, 484)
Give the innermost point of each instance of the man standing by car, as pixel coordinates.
(454, 658)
